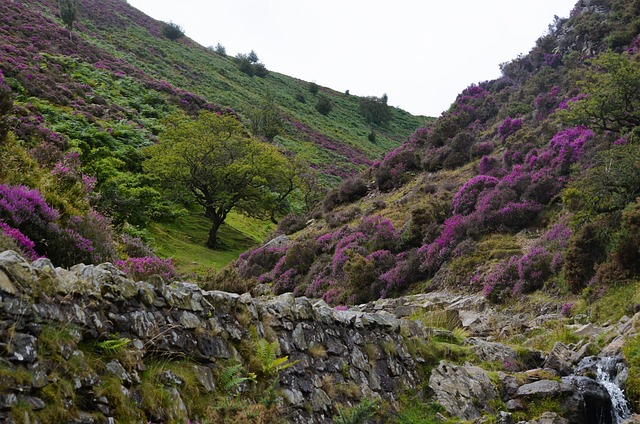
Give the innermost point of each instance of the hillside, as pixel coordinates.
(487, 270)
(88, 101)
(527, 182)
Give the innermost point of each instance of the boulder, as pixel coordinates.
(463, 391)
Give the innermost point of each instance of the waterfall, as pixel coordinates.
(610, 376)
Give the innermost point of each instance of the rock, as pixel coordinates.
(298, 337)
(614, 348)
(293, 397)
(320, 401)
(189, 320)
(204, 375)
(463, 391)
(560, 359)
(544, 388)
(588, 330)
(23, 348)
(495, 352)
(504, 418)
(549, 418)
(279, 241)
(117, 370)
(591, 403)
(6, 285)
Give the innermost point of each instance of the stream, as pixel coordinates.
(610, 373)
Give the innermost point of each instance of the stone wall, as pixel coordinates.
(364, 352)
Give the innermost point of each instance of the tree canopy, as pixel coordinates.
(222, 168)
(611, 96)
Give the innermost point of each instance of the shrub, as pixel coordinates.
(324, 105)
(13, 239)
(313, 88)
(375, 110)
(134, 247)
(142, 268)
(509, 126)
(25, 209)
(499, 283)
(220, 49)
(466, 199)
(97, 229)
(292, 223)
(6, 105)
(585, 250)
(172, 31)
(352, 189)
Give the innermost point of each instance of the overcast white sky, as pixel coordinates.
(422, 53)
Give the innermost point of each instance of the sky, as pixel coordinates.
(421, 53)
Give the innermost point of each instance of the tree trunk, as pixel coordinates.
(212, 241)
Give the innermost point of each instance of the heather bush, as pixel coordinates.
(26, 210)
(360, 273)
(395, 168)
(141, 269)
(499, 283)
(292, 223)
(351, 190)
(258, 262)
(509, 126)
(405, 271)
(300, 256)
(134, 247)
(313, 88)
(466, 199)
(533, 270)
(488, 166)
(13, 239)
(97, 229)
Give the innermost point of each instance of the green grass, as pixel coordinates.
(184, 240)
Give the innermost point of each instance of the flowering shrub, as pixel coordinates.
(134, 247)
(145, 267)
(24, 209)
(499, 283)
(509, 126)
(21, 241)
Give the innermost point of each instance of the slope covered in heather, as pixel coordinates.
(528, 183)
(86, 102)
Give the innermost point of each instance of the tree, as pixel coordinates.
(612, 96)
(375, 110)
(220, 49)
(253, 57)
(265, 120)
(221, 167)
(172, 31)
(324, 105)
(68, 12)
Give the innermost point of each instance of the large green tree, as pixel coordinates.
(222, 168)
(612, 96)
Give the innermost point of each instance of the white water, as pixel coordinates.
(620, 407)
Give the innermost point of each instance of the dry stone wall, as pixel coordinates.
(364, 352)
